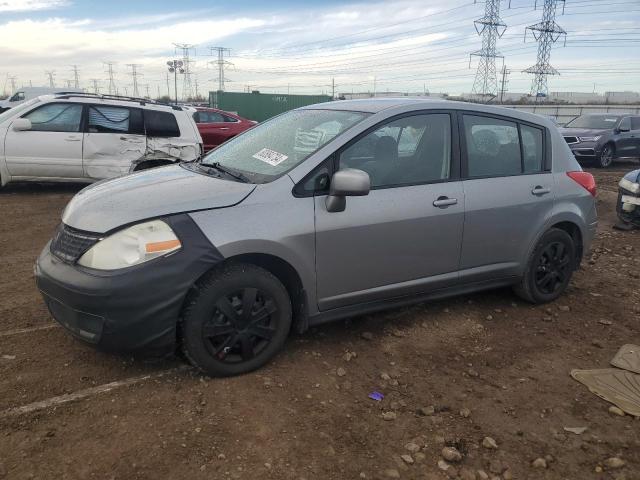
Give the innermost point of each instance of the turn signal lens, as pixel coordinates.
(585, 180)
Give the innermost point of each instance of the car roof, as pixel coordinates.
(113, 100)
(372, 105)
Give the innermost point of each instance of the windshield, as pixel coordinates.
(603, 122)
(274, 147)
(17, 110)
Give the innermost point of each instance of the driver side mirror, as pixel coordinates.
(21, 124)
(349, 182)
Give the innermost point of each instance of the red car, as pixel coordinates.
(217, 126)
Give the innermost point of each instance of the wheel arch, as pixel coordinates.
(284, 272)
(576, 235)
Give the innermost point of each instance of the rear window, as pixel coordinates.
(160, 124)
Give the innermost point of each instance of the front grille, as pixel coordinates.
(571, 140)
(69, 244)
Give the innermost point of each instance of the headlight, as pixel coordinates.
(590, 139)
(629, 186)
(132, 246)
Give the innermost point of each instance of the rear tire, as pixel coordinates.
(605, 159)
(236, 320)
(549, 268)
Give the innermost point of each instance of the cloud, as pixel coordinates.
(30, 5)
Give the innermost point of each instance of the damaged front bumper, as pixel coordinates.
(628, 205)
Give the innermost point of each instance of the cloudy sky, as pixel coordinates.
(301, 47)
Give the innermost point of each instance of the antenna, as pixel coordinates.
(490, 27)
(547, 32)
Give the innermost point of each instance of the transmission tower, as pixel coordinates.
(490, 27)
(13, 83)
(135, 74)
(187, 87)
(546, 33)
(112, 83)
(505, 72)
(96, 88)
(51, 74)
(221, 63)
(76, 76)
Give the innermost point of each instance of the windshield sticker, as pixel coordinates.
(271, 157)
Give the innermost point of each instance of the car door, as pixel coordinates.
(213, 129)
(630, 140)
(403, 237)
(114, 139)
(508, 191)
(52, 148)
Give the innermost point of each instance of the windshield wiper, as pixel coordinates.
(223, 169)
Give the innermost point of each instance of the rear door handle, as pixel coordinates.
(538, 190)
(73, 139)
(223, 128)
(444, 201)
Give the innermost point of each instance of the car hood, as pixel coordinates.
(583, 132)
(109, 204)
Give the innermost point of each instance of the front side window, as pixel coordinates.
(635, 123)
(56, 117)
(208, 117)
(274, 147)
(19, 96)
(407, 151)
(493, 147)
(625, 124)
(108, 119)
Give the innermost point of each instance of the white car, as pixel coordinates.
(27, 93)
(84, 137)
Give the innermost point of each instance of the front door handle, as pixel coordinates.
(73, 139)
(223, 128)
(538, 190)
(444, 201)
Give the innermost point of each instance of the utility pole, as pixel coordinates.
(221, 63)
(187, 88)
(168, 88)
(196, 85)
(547, 32)
(490, 27)
(504, 82)
(76, 77)
(112, 84)
(51, 75)
(333, 88)
(96, 89)
(135, 73)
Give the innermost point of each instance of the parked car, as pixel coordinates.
(217, 126)
(628, 206)
(27, 93)
(84, 138)
(224, 257)
(600, 138)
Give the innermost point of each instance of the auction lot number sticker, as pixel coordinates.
(271, 157)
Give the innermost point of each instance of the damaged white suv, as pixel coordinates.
(84, 137)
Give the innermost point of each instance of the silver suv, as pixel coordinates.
(321, 213)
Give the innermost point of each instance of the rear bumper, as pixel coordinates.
(136, 308)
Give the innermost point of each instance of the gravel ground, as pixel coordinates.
(480, 380)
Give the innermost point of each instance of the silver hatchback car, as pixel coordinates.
(321, 213)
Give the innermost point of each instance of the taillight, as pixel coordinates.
(585, 180)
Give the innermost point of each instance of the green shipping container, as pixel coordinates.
(261, 106)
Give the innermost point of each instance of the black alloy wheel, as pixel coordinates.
(236, 319)
(606, 157)
(554, 267)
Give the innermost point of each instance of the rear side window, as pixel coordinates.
(493, 146)
(108, 119)
(160, 124)
(625, 123)
(532, 146)
(56, 117)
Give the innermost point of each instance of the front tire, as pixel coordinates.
(236, 320)
(605, 159)
(549, 268)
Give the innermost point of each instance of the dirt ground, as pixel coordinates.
(453, 372)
